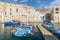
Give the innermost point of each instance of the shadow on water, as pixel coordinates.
(50, 37)
(5, 34)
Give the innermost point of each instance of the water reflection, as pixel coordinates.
(5, 34)
(56, 25)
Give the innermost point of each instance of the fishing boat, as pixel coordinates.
(22, 31)
(11, 23)
(44, 24)
(47, 24)
(55, 31)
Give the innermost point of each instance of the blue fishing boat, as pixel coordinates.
(8, 23)
(11, 23)
(55, 31)
(22, 31)
(48, 24)
(44, 24)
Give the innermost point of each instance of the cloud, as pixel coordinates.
(14, 0)
(21, 1)
(38, 1)
(54, 3)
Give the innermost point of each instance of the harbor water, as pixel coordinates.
(5, 34)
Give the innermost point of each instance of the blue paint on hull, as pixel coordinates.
(23, 31)
(47, 24)
(11, 23)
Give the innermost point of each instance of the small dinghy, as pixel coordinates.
(22, 31)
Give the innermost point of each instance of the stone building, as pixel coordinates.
(46, 12)
(56, 14)
(23, 13)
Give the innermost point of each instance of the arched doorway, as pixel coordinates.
(48, 17)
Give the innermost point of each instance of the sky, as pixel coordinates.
(37, 4)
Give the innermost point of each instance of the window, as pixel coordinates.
(57, 12)
(10, 13)
(10, 9)
(58, 17)
(10, 4)
(5, 13)
(16, 10)
(29, 12)
(55, 16)
(5, 3)
(57, 9)
(12, 16)
(24, 16)
(5, 16)
(25, 7)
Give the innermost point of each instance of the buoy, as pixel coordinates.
(13, 31)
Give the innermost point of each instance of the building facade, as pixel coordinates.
(56, 14)
(18, 12)
(46, 14)
(44, 10)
